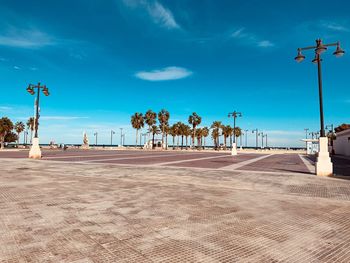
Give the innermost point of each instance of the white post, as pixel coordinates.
(324, 166)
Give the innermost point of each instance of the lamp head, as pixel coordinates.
(300, 57)
(46, 91)
(339, 52)
(320, 47)
(30, 89)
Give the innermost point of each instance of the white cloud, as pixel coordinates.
(33, 68)
(238, 33)
(16, 67)
(251, 39)
(63, 118)
(265, 43)
(25, 38)
(168, 73)
(159, 14)
(335, 27)
(5, 108)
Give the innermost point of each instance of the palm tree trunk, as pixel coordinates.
(186, 142)
(163, 136)
(182, 141)
(166, 141)
(194, 134)
(178, 138)
(153, 141)
(137, 131)
(173, 142)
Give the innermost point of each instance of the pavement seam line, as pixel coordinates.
(308, 164)
(244, 163)
(132, 158)
(189, 160)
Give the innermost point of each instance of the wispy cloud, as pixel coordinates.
(265, 43)
(239, 33)
(335, 26)
(159, 13)
(25, 38)
(63, 118)
(5, 108)
(168, 73)
(250, 39)
(16, 67)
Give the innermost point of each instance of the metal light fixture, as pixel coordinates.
(339, 52)
(300, 57)
(46, 91)
(30, 89)
(320, 47)
(315, 60)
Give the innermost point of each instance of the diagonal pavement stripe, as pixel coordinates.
(240, 164)
(190, 160)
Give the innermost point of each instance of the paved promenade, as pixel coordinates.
(83, 210)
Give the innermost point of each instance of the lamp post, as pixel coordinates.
(246, 136)
(95, 134)
(324, 166)
(256, 131)
(35, 151)
(112, 132)
(121, 137)
(262, 139)
(234, 115)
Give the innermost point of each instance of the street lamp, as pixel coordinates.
(234, 115)
(324, 166)
(112, 132)
(265, 140)
(95, 134)
(262, 139)
(121, 137)
(35, 151)
(256, 131)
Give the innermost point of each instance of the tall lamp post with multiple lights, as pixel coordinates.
(234, 115)
(324, 166)
(112, 132)
(35, 151)
(256, 131)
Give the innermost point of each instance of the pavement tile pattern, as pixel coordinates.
(53, 211)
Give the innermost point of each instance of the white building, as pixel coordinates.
(342, 143)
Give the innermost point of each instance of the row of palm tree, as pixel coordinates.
(181, 130)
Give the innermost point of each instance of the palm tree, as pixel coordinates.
(154, 130)
(166, 130)
(181, 132)
(237, 132)
(205, 133)
(6, 127)
(173, 132)
(226, 132)
(163, 118)
(216, 132)
(30, 125)
(137, 123)
(19, 127)
(195, 120)
(188, 133)
(150, 119)
(199, 134)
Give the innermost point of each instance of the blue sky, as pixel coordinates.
(105, 60)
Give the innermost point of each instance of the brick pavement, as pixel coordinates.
(58, 212)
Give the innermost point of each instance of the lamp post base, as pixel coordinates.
(324, 166)
(35, 152)
(234, 149)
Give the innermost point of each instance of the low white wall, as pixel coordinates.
(342, 143)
